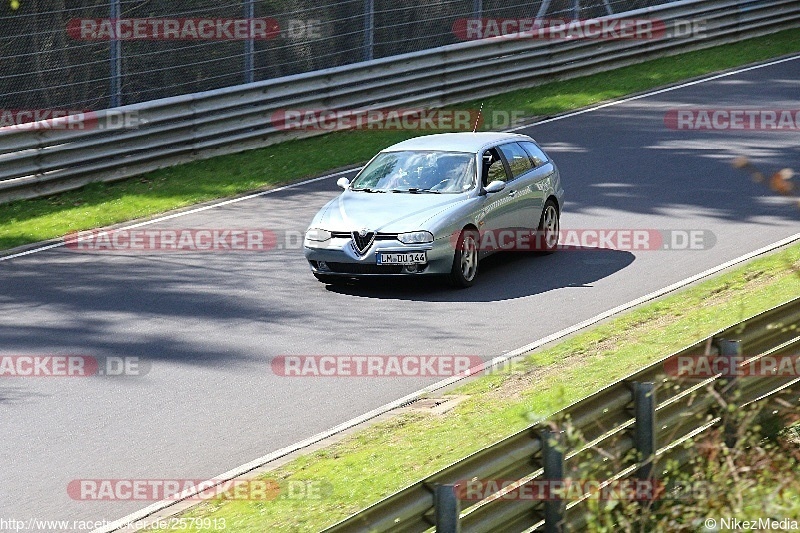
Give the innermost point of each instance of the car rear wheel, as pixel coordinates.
(549, 228)
(465, 260)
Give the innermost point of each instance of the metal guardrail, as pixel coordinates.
(650, 413)
(36, 162)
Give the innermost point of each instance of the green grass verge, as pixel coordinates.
(389, 455)
(103, 204)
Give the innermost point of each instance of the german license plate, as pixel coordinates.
(407, 258)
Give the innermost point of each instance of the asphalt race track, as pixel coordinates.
(208, 324)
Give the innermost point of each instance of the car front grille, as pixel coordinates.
(363, 268)
(378, 236)
(363, 243)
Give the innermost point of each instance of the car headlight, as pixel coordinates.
(416, 237)
(318, 235)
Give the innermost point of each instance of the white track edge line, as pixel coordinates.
(261, 461)
(328, 176)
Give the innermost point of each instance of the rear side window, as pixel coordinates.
(535, 152)
(493, 168)
(517, 158)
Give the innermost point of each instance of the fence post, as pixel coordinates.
(644, 428)
(477, 9)
(553, 463)
(542, 12)
(447, 507)
(249, 43)
(369, 29)
(729, 385)
(115, 59)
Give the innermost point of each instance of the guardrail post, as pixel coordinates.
(644, 429)
(369, 29)
(729, 385)
(447, 507)
(115, 58)
(553, 463)
(249, 44)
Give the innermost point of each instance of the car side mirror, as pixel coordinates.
(495, 186)
(344, 183)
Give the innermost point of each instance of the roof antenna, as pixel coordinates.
(477, 119)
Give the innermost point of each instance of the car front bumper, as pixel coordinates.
(339, 258)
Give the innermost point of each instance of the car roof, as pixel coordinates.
(456, 142)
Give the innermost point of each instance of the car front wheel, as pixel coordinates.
(465, 260)
(549, 228)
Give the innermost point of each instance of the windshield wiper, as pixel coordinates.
(367, 189)
(415, 190)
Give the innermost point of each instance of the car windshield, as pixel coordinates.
(418, 172)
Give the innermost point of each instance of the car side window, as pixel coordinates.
(536, 153)
(517, 158)
(493, 168)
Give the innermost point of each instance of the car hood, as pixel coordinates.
(385, 212)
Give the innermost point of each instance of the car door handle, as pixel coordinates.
(512, 193)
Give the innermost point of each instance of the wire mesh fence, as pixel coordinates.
(97, 54)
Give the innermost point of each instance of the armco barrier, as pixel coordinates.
(36, 162)
(649, 412)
